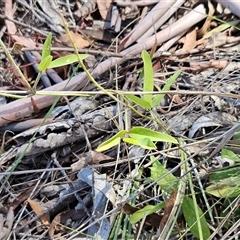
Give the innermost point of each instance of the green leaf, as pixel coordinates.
(157, 99)
(139, 101)
(46, 51)
(169, 182)
(190, 217)
(228, 187)
(141, 133)
(145, 143)
(66, 60)
(230, 155)
(147, 210)
(111, 142)
(44, 64)
(223, 173)
(148, 81)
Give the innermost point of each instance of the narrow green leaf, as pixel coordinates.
(113, 141)
(225, 172)
(148, 81)
(66, 60)
(169, 182)
(44, 64)
(139, 101)
(190, 217)
(157, 99)
(141, 133)
(145, 143)
(46, 51)
(230, 155)
(147, 210)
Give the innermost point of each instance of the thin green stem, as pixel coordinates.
(13, 63)
(36, 82)
(84, 67)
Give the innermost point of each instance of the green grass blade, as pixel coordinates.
(156, 100)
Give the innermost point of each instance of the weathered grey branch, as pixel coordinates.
(22, 108)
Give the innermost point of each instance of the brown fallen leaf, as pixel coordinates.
(24, 196)
(79, 41)
(168, 208)
(61, 219)
(91, 157)
(104, 8)
(201, 32)
(12, 29)
(38, 209)
(189, 40)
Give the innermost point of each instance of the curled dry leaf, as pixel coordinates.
(201, 32)
(79, 41)
(38, 209)
(189, 40)
(213, 119)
